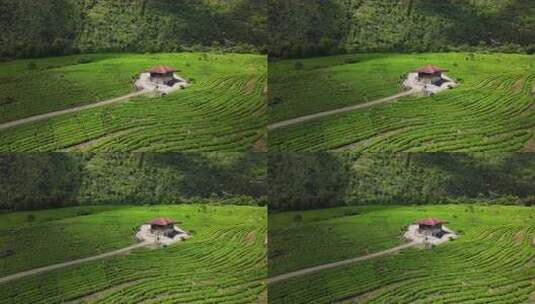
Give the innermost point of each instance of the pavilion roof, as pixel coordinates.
(431, 222)
(430, 69)
(161, 69)
(162, 221)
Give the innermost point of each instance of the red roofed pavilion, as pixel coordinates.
(162, 221)
(162, 225)
(430, 73)
(431, 222)
(161, 69)
(431, 226)
(430, 69)
(162, 74)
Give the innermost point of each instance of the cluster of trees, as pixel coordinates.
(321, 180)
(302, 28)
(289, 181)
(54, 27)
(46, 180)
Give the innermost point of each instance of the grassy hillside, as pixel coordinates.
(300, 181)
(47, 27)
(223, 109)
(491, 109)
(491, 261)
(309, 28)
(42, 180)
(224, 261)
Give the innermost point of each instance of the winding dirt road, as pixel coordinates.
(23, 274)
(39, 117)
(301, 272)
(293, 121)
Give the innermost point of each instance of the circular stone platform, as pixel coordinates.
(144, 82)
(413, 234)
(413, 82)
(145, 235)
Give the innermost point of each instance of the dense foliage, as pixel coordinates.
(43, 180)
(47, 27)
(318, 27)
(319, 180)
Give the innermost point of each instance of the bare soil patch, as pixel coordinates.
(250, 238)
(519, 237)
(530, 145)
(518, 85)
(369, 294)
(370, 140)
(260, 145)
(88, 144)
(104, 292)
(250, 86)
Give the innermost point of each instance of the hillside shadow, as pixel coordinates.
(469, 25)
(472, 25)
(204, 23)
(213, 175)
(304, 181)
(483, 175)
(314, 28)
(39, 180)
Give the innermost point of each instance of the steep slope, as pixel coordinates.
(44, 180)
(52, 27)
(301, 181)
(306, 28)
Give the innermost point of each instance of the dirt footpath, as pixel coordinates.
(23, 274)
(301, 272)
(30, 119)
(301, 119)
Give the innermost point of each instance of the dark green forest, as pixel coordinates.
(303, 28)
(30, 28)
(321, 180)
(46, 180)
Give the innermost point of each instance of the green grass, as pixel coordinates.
(223, 110)
(224, 261)
(492, 262)
(492, 109)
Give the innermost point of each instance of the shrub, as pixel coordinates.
(83, 212)
(84, 60)
(6, 253)
(351, 212)
(275, 101)
(7, 100)
(351, 60)
(528, 201)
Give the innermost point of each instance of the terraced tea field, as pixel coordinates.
(223, 110)
(492, 261)
(224, 261)
(493, 109)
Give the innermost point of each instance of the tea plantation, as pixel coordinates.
(223, 262)
(491, 262)
(491, 110)
(223, 109)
